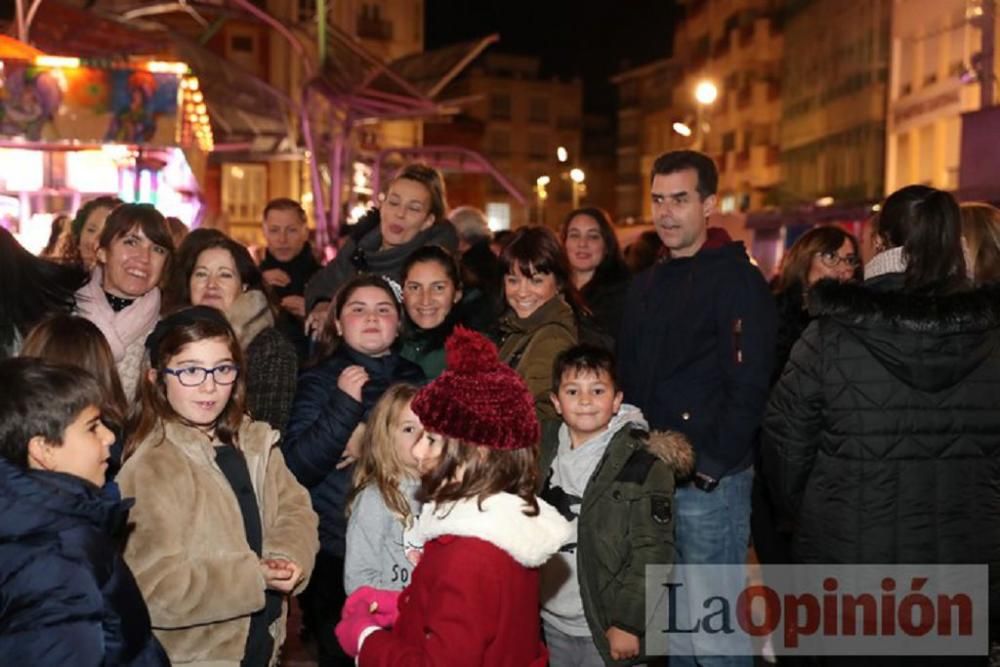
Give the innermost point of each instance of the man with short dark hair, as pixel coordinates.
(695, 354)
(288, 265)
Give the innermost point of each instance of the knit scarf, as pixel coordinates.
(121, 329)
(888, 261)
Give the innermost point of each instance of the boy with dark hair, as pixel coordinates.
(67, 596)
(615, 483)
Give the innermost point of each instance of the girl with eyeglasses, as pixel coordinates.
(223, 531)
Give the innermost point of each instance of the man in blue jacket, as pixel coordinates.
(695, 353)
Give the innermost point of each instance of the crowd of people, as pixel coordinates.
(459, 448)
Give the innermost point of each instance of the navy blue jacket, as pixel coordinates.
(323, 418)
(66, 595)
(695, 352)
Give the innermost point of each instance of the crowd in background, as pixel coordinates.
(271, 427)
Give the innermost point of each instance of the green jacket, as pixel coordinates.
(626, 522)
(530, 347)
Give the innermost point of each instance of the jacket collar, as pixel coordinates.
(555, 310)
(530, 540)
(249, 315)
(379, 366)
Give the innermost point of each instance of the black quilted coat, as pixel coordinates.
(882, 436)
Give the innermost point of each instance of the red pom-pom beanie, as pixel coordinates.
(478, 399)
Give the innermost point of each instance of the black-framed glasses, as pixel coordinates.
(832, 260)
(192, 376)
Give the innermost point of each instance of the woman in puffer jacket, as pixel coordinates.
(882, 437)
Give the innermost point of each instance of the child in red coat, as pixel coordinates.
(473, 599)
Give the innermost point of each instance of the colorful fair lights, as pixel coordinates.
(155, 66)
(705, 92)
(195, 121)
(57, 61)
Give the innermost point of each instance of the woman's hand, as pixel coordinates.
(280, 574)
(352, 379)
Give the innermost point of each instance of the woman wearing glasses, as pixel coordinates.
(821, 253)
(223, 532)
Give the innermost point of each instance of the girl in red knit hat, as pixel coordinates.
(473, 599)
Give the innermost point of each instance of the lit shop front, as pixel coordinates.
(73, 130)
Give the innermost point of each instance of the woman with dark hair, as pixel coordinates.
(214, 270)
(432, 292)
(86, 228)
(882, 436)
(411, 215)
(820, 253)
(55, 247)
(540, 321)
(598, 271)
(123, 295)
(30, 289)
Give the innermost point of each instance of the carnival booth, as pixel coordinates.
(73, 128)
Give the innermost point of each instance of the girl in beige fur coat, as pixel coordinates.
(222, 533)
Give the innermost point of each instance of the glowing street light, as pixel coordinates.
(577, 175)
(682, 129)
(541, 194)
(562, 154)
(542, 181)
(705, 92)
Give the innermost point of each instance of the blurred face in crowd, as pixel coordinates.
(406, 432)
(200, 404)
(584, 244)
(215, 280)
(84, 452)
(90, 234)
(285, 233)
(838, 265)
(526, 294)
(369, 321)
(586, 401)
(405, 212)
(679, 213)
(429, 294)
(133, 265)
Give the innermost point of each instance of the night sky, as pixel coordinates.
(593, 39)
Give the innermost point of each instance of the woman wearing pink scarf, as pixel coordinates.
(123, 295)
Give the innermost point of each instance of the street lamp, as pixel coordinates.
(705, 93)
(562, 154)
(577, 176)
(682, 129)
(541, 194)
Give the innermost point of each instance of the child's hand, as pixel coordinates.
(624, 645)
(280, 574)
(351, 380)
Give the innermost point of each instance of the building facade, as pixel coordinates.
(525, 118)
(737, 46)
(933, 81)
(834, 84)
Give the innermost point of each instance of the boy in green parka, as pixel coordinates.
(615, 482)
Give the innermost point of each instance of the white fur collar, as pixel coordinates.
(530, 540)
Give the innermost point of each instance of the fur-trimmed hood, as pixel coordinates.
(928, 341)
(530, 540)
(673, 449)
(249, 315)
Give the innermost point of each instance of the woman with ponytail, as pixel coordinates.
(882, 436)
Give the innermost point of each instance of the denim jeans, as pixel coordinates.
(713, 528)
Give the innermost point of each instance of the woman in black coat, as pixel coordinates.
(598, 272)
(882, 437)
